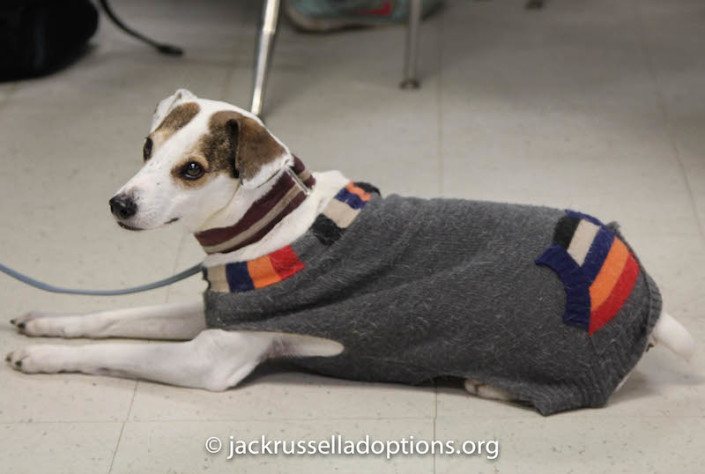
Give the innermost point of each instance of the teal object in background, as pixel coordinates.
(327, 15)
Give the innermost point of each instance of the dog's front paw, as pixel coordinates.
(39, 323)
(40, 358)
(21, 322)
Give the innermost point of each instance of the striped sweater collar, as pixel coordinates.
(286, 195)
(329, 226)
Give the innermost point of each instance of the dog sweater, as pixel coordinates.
(550, 305)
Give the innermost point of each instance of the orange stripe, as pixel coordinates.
(610, 272)
(614, 303)
(359, 191)
(262, 272)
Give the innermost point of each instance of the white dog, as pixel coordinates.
(217, 170)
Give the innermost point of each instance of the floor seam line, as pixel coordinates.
(673, 142)
(122, 428)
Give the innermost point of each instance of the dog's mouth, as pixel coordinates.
(128, 227)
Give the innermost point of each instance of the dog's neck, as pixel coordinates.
(290, 188)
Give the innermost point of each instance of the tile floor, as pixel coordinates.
(596, 105)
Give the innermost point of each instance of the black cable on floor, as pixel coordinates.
(161, 47)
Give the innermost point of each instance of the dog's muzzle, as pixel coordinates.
(123, 207)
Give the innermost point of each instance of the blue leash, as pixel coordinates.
(69, 291)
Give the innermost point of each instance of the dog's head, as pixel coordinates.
(198, 156)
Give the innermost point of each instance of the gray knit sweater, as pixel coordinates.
(548, 305)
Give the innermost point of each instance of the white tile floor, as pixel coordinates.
(596, 105)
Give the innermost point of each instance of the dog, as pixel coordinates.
(526, 304)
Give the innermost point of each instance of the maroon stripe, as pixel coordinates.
(296, 202)
(300, 168)
(258, 210)
(255, 213)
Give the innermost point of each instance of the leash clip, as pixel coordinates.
(298, 181)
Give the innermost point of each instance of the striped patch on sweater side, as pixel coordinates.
(341, 211)
(596, 267)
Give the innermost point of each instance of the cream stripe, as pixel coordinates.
(340, 213)
(304, 175)
(582, 240)
(257, 226)
(218, 279)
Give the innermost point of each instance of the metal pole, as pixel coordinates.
(412, 46)
(263, 52)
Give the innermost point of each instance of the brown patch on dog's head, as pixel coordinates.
(177, 119)
(239, 144)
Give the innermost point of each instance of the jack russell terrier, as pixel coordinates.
(536, 305)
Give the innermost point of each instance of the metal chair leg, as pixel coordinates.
(263, 52)
(412, 46)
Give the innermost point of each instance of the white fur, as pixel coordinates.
(211, 359)
(166, 105)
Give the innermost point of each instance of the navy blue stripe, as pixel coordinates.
(238, 277)
(577, 289)
(597, 254)
(352, 200)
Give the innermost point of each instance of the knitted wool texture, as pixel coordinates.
(415, 289)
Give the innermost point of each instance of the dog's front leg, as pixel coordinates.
(177, 321)
(215, 360)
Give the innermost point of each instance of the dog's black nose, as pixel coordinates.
(123, 207)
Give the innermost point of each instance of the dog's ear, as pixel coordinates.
(255, 154)
(168, 104)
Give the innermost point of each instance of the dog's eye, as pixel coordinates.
(147, 150)
(192, 170)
